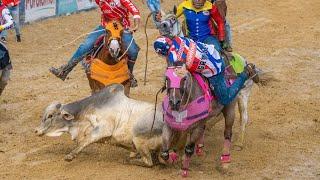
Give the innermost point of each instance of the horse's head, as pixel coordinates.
(112, 40)
(170, 25)
(179, 86)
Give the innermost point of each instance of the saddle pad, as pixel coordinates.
(109, 74)
(237, 63)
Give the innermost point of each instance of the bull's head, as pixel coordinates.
(55, 121)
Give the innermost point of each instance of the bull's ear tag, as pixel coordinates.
(179, 116)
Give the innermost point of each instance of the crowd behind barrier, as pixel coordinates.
(34, 10)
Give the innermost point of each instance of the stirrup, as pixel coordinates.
(133, 82)
(59, 72)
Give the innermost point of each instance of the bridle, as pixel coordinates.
(172, 83)
(167, 25)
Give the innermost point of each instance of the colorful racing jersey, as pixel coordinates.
(198, 57)
(199, 21)
(117, 10)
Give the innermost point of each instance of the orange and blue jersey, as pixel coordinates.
(199, 21)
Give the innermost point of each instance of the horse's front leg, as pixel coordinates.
(200, 142)
(195, 137)
(229, 115)
(167, 138)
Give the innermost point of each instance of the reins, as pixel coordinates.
(189, 95)
(155, 106)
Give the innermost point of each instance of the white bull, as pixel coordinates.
(107, 114)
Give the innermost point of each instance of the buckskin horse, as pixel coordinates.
(107, 64)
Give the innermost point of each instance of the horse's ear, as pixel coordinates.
(175, 9)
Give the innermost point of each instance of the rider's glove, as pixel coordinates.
(1, 28)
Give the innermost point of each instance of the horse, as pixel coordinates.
(171, 27)
(187, 107)
(5, 66)
(107, 63)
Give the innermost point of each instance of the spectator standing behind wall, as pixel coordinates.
(13, 6)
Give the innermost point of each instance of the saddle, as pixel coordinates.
(102, 72)
(109, 74)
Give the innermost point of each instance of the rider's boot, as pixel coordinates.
(252, 72)
(63, 71)
(133, 81)
(227, 54)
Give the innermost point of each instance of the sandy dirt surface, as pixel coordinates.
(282, 140)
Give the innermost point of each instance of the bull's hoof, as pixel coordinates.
(69, 157)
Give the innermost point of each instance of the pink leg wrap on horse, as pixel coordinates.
(173, 157)
(185, 166)
(200, 145)
(199, 150)
(226, 157)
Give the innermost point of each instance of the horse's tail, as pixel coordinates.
(265, 77)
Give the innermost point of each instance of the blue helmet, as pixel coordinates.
(162, 45)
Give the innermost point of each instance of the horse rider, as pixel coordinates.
(111, 10)
(155, 8)
(222, 8)
(206, 60)
(6, 22)
(13, 6)
(199, 15)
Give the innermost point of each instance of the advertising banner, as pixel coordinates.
(37, 9)
(67, 6)
(85, 4)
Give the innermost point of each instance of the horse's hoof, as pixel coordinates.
(69, 157)
(185, 173)
(173, 157)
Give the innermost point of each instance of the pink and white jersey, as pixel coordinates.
(117, 10)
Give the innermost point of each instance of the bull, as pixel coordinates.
(108, 114)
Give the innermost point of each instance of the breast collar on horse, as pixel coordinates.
(197, 110)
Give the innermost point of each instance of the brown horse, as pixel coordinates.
(108, 62)
(181, 94)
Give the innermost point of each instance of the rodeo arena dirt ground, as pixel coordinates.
(283, 136)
